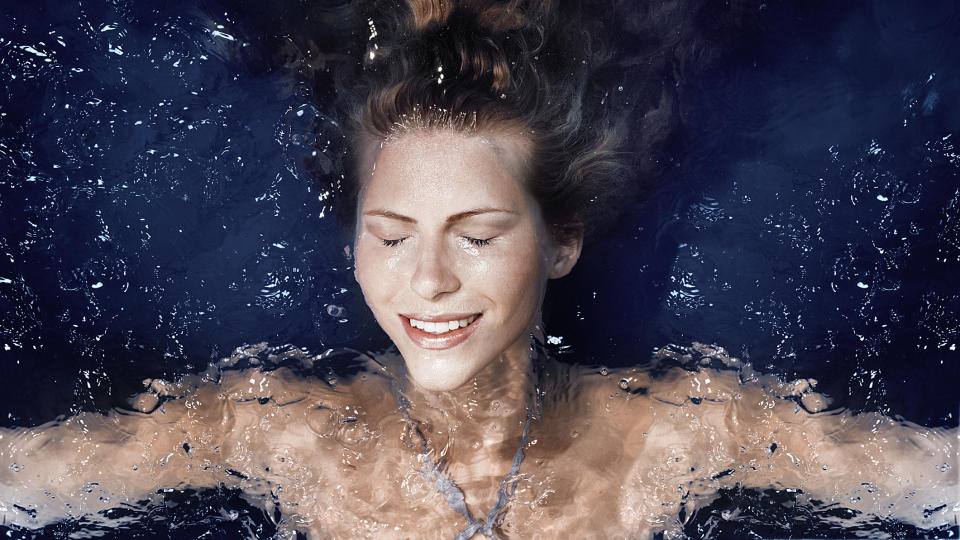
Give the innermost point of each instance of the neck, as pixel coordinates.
(490, 409)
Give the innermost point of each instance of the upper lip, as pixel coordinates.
(441, 317)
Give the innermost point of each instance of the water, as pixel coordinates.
(161, 204)
(810, 223)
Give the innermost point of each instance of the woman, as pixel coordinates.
(480, 168)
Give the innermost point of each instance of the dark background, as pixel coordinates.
(156, 211)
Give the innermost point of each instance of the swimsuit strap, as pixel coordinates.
(451, 492)
(508, 486)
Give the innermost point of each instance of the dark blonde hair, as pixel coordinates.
(540, 68)
(518, 66)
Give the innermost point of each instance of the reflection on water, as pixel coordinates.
(721, 447)
(167, 192)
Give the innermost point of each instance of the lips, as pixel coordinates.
(446, 340)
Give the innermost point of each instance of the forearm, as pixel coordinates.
(878, 465)
(44, 475)
(88, 463)
(868, 462)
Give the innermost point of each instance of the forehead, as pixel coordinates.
(441, 168)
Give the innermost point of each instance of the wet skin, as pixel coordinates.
(613, 455)
(448, 231)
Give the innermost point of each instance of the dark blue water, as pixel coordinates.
(811, 222)
(168, 185)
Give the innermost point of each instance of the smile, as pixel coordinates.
(442, 333)
(442, 327)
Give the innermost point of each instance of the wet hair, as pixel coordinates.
(602, 123)
(538, 68)
(515, 67)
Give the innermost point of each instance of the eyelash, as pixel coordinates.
(479, 242)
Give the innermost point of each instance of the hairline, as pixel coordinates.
(496, 135)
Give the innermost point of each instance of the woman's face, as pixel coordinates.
(452, 253)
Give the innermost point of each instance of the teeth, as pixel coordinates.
(442, 327)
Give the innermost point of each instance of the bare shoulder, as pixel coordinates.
(280, 431)
(615, 399)
(264, 431)
(253, 392)
(657, 408)
(278, 424)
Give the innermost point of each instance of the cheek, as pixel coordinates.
(519, 281)
(370, 273)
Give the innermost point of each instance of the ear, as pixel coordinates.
(566, 254)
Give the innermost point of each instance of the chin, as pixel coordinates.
(438, 385)
(440, 374)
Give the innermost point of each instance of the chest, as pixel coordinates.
(381, 484)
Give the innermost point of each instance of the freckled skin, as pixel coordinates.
(605, 460)
(429, 177)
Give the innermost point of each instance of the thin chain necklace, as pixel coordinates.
(435, 474)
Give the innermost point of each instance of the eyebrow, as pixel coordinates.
(451, 219)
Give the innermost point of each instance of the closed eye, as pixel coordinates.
(393, 242)
(478, 241)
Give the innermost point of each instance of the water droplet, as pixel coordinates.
(624, 384)
(604, 372)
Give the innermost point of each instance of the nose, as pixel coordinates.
(435, 274)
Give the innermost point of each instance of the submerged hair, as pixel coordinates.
(517, 67)
(537, 68)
